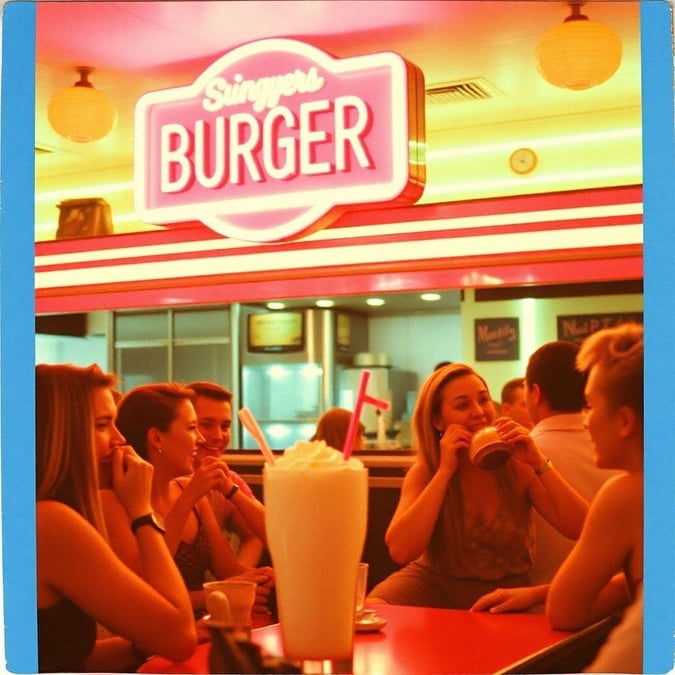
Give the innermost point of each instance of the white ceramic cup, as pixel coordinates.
(241, 595)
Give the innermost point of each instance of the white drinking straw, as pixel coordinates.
(249, 421)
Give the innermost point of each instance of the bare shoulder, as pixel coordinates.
(625, 488)
(620, 499)
(61, 528)
(51, 515)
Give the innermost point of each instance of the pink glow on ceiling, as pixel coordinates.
(158, 33)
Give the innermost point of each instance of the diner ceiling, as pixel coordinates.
(583, 139)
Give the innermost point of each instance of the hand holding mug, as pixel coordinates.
(518, 437)
(455, 438)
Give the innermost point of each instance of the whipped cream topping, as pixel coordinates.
(314, 455)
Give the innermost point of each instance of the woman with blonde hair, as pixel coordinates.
(462, 531)
(80, 580)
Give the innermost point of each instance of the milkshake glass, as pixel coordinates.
(316, 505)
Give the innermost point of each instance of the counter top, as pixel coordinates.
(402, 459)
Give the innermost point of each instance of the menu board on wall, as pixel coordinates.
(497, 339)
(577, 327)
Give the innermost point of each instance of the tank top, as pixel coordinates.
(193, 559)
(66, 638)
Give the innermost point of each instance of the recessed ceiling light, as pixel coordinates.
(375, 302)
(324, 303)
(430, 297)
(276, 305)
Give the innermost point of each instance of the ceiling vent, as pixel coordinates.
(456, 92)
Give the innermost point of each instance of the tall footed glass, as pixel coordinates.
(316, 506)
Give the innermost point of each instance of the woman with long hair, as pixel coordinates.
(80, 580)
(461, 530)
(160, 423)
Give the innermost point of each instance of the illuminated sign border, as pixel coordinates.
(314, 208)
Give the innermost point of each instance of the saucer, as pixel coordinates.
(369, 622)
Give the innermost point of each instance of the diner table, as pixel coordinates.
(416, 641)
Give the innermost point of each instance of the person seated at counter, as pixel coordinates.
(462, 531)
(513, 402)
(332, 429)
(160, 423)
(602, 575)
(80, 580)
(240, 515)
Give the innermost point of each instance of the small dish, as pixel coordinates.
(212, 623)
(369, 622)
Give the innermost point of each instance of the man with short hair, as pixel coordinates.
(240, 514)
(554, 394)
(513, 402)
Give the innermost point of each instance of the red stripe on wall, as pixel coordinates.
(196, 231)
(518, 269)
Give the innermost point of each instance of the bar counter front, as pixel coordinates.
(418, 641)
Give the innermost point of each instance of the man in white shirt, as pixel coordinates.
(554, 393)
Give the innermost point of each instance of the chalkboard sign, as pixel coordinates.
(577, 327)
(497, 339)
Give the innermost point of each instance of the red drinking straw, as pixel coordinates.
(361, 398)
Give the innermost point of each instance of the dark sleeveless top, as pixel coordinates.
(193, 559)
(66, 638)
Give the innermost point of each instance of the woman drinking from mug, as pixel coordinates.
(460, 530)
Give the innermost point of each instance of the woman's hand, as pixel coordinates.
(212, 474)
(131, 481)
(264, 580)
(455, 438)
(518, 437)
(511, 599)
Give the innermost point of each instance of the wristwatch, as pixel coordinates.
(151, 519)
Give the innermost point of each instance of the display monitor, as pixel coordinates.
(276, 332)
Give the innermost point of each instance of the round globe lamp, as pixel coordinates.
(578, 53)
(82, 113)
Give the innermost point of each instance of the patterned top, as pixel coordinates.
(468, 547)
(193, 560)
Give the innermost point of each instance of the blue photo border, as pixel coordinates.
(17, 334)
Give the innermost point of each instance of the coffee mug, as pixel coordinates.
(487, 450)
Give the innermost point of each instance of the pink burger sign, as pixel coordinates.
(276, 139)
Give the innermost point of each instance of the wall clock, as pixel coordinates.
(523, 160)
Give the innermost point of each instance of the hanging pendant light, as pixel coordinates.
(578, 53)
(82, 113)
